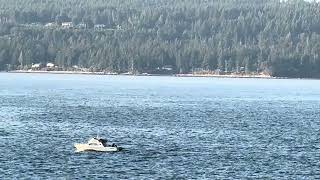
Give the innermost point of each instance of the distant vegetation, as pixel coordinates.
(144, 36)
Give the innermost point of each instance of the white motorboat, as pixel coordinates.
(97, 144)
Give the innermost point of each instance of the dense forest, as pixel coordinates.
(280, 38)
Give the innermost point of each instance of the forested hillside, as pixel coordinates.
(239, 36)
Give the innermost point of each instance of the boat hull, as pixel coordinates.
(86, 147)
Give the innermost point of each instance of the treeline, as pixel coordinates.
(253, 36)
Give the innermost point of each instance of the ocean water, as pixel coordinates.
(170, 127)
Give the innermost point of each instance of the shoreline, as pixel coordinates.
(127, 74)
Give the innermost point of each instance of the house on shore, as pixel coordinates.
(167, 68)
(99, 26)
(81, 26)
(50, 66)
(36, 67)
(67, 25)
(4, 19)
(51, 24)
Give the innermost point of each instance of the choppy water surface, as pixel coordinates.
(170, 127)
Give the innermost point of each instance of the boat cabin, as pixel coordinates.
(98, 142)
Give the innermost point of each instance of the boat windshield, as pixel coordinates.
(103, 142)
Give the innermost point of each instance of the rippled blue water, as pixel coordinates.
(170, 127)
